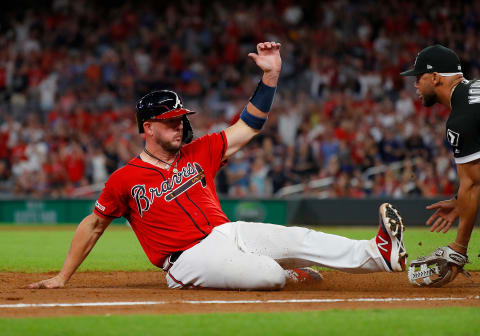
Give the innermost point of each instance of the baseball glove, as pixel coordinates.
(437, 269)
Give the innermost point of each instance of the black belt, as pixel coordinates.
(175, 255)
(171, 259)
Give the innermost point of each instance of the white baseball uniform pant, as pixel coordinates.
(255, 256)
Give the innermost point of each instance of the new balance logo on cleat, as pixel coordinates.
(389, 238)
(382, 244)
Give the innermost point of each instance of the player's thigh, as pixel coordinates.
(294, 247)
(276, 241)
(217, 262)
(282, 242)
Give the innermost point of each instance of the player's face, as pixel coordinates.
(425, 90)
(168, 133)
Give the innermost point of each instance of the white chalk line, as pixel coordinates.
(150, 303)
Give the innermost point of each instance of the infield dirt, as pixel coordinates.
(151, 286)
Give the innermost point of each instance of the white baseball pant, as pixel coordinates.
(254, 256)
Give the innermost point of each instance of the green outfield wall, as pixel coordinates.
(73, 211)
(302, 211)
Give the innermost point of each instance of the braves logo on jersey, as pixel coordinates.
(145, 199)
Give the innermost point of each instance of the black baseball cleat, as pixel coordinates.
(389, 239)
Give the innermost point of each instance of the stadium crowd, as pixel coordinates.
(71, 72)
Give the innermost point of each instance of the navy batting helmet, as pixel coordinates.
(163, 104)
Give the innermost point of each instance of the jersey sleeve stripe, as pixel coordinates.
(468, 158)
(104, 215)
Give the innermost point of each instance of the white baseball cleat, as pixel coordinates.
(389, 239)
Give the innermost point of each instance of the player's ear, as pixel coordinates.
(436, 78)
(147, 127)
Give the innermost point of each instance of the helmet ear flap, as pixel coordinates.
(140, 125)
(187, 136)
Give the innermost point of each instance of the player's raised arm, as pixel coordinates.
(255, 114)
(84, 239)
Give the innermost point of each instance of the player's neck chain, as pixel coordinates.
(169, 165)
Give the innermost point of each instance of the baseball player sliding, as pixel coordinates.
(167, 193)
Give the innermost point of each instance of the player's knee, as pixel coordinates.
(277, 280)
(272, 277)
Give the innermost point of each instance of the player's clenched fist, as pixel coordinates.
(268, 57)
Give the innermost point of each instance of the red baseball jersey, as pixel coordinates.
(168, 212)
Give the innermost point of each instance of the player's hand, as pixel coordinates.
(443, 218)
(268, 57)
(55, 282)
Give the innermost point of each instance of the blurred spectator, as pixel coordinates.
(390, 147)
(74, 161)
(71, 72)
(238, 171)
(97, 162)
(259, 186)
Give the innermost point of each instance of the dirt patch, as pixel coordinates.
(151, 286)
